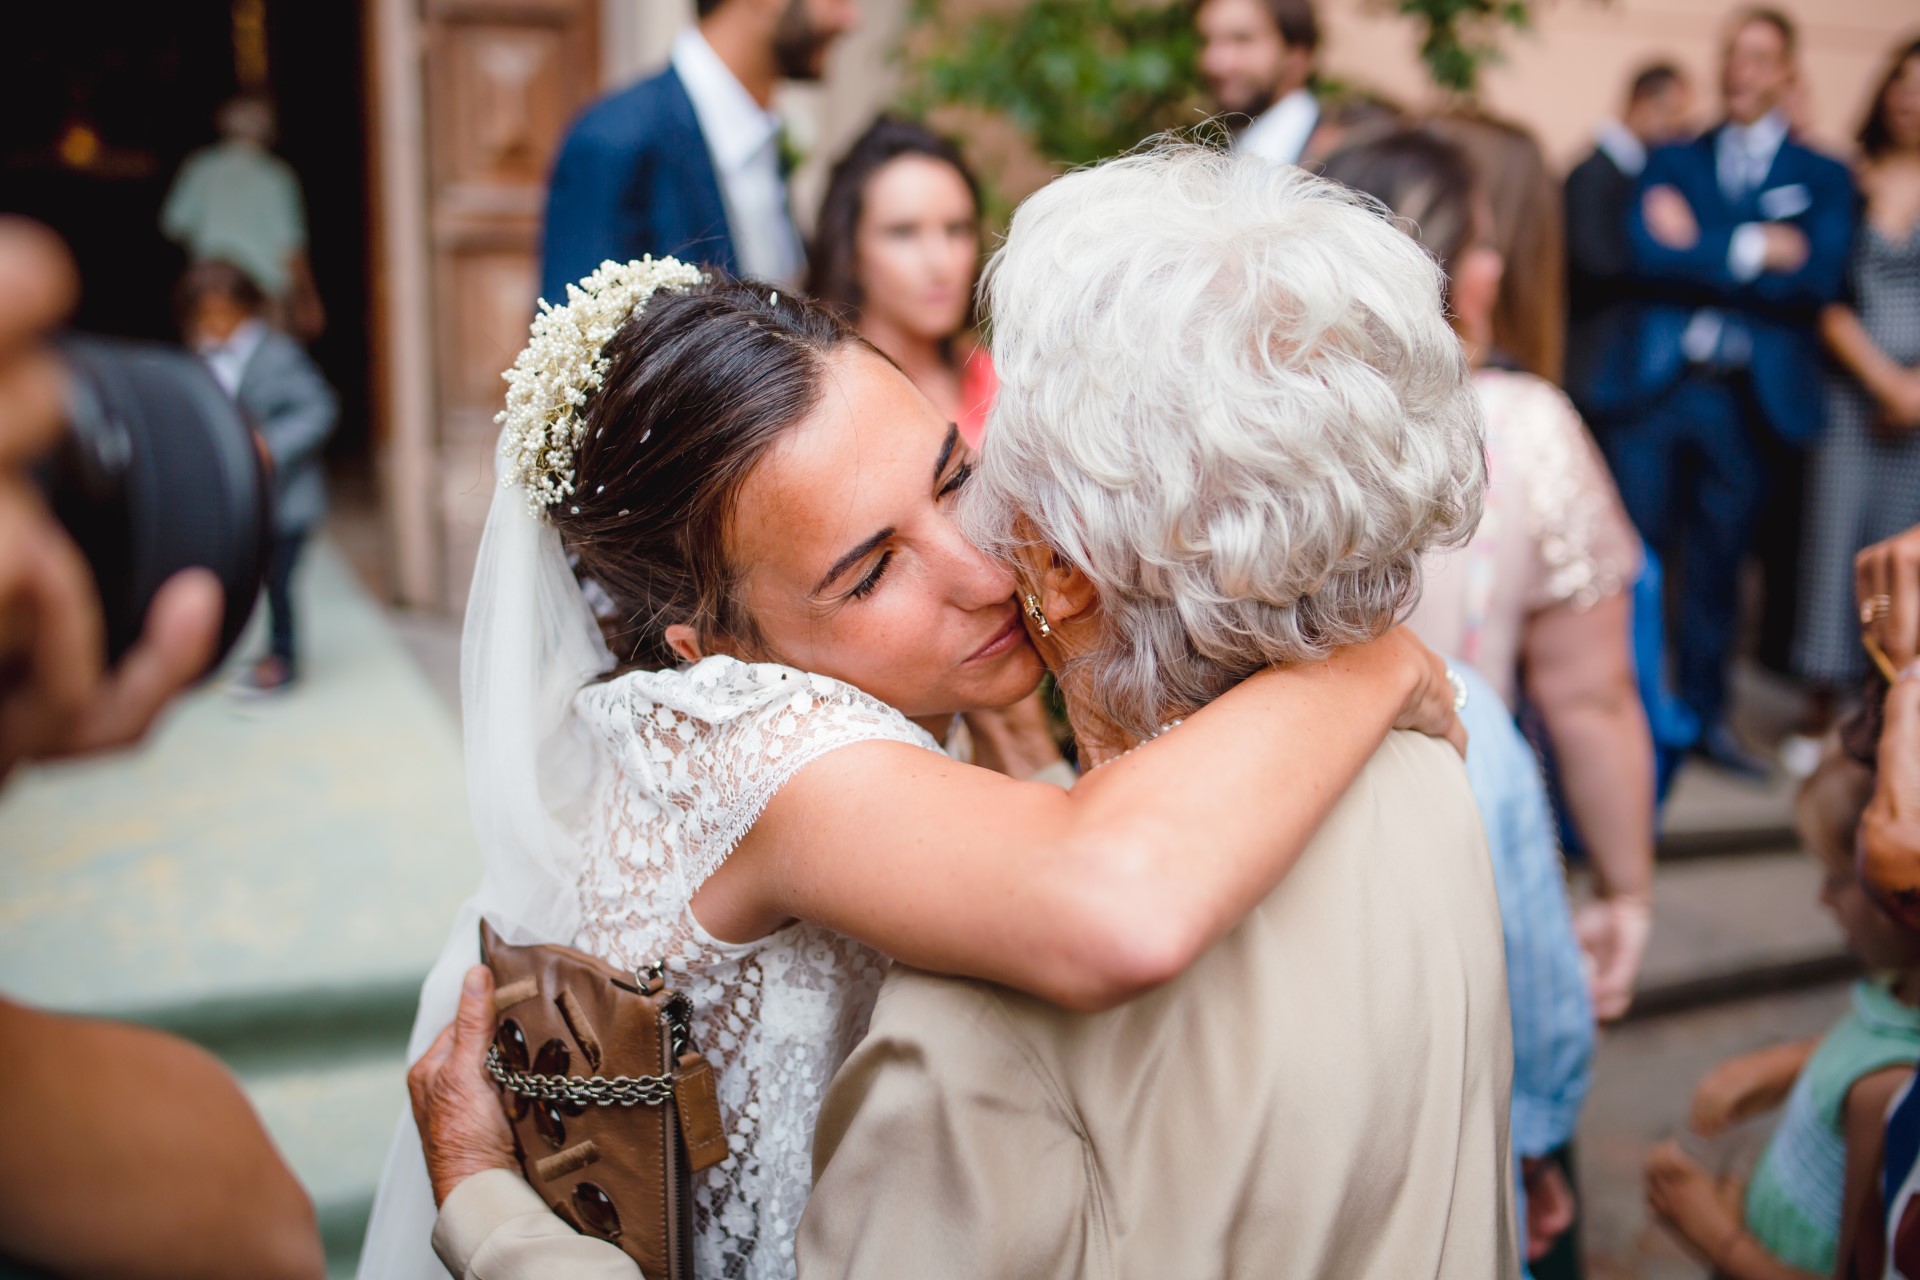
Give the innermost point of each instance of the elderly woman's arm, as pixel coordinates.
(1578, 666)
(1089, 897)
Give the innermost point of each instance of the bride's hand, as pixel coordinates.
(1429, 708)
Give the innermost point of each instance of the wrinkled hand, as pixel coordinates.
(1550, 1205)
(462, 1127)
(1429, 707)
(1786, 247)
(1889, 857)
(1670, 218)
(56, 696)
(1613, 933)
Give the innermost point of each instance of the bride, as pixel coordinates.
(722, 600)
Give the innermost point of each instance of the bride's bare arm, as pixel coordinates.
(1090, 897)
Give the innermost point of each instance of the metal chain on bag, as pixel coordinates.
(620, 1091)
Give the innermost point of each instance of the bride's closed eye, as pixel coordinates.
(957, 481)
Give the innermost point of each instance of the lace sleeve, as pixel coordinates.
(708, 746)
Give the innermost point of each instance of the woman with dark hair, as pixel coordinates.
(897, 251)
(722, 614)
(1865, 479)
(1527, 229)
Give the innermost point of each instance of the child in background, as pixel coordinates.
(1823, 1158)
(222, 317)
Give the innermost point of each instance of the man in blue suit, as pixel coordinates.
(1740, 238)
(688, 162)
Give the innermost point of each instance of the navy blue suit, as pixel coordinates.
(633, 177)
(1695, 455)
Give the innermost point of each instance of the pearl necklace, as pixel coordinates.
(1166, 728)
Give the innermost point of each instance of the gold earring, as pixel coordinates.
(1039, 618)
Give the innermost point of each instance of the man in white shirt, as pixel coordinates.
(1739, 239)
(688, 162)
(1257, 57)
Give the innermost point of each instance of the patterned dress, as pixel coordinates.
(689, 760)
(1865, 481)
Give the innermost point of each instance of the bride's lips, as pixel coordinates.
(1004, 640)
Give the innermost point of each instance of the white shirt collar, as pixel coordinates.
(1280, 133)
(1762, 138)
(1622, 146)
(736, 127)
(228, 360)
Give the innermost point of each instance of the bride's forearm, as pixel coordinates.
(1084, 898)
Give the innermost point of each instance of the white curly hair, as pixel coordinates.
(1230, 396)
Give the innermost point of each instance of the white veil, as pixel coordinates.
(529, 643)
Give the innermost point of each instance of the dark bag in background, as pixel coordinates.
(613, 1108)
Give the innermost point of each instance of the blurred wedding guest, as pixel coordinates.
(129, 1153)
(1257, 59)
(239, 202)
(1865, 480)
(1538, 601)
(1744, 233)
(689, 162)
(290, 404)
(1599, 194)
(1527, 231)
(898, 248)
(1821, 1163)
(1352, 117)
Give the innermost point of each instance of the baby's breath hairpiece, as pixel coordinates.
(563, 365)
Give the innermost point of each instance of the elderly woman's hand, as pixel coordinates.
(1429, 708)
(462, 1128)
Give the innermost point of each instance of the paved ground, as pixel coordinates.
(271, 878)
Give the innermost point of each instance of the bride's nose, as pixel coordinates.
(976, 580)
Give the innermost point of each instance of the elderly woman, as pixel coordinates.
(1314, 434)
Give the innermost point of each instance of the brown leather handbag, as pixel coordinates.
(613, 1108)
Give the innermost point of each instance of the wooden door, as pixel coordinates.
(491, 88)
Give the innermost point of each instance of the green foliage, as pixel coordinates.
(1458, 37)
(1082, 79)
(1087, 79)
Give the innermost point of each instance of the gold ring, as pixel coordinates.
(1874, 608)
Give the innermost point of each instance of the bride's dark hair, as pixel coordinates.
(697, 389)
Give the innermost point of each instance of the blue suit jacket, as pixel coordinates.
(1779, 309)
(633, 177)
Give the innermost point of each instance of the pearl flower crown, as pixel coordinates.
(563, 365)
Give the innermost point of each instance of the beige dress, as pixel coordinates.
(1554, 533)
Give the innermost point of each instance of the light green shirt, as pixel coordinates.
(1794, 1201)
(240, 203)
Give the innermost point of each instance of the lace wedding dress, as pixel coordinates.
(687, 760)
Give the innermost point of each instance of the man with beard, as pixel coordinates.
(688, 162)
(1257, 59)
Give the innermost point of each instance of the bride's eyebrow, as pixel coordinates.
(852, 558)
(947, 446)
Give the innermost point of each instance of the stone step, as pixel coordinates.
(1734, 925)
